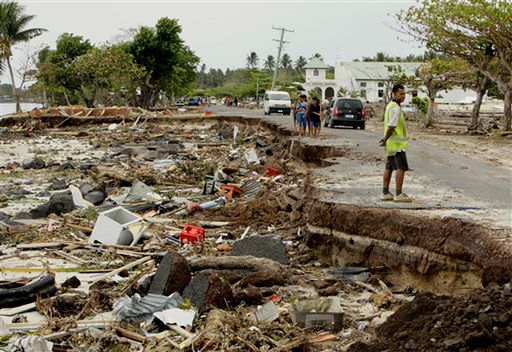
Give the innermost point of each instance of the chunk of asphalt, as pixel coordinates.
(261, 247)
(173, 275)
(208, 291)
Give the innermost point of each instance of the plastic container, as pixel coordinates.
(112, 227)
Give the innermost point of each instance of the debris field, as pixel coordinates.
(189, 234)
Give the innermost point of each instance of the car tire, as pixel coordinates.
(362, 126)
(354, 127)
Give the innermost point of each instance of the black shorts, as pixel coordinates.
(397, 161)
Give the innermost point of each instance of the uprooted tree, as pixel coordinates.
(476, 31)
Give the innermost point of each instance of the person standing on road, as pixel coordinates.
(301, 114)
(395, 143)
(314, 115)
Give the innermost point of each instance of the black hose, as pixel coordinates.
(14, 297)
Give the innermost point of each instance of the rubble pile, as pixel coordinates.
(169, 236)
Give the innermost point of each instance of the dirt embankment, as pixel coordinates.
(479, 321)
(450, 237)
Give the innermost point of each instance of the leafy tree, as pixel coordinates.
(269, 63)
(286, 61)
(438, 75)
(476, 31)
(170, 64)
(55, 68)
(13, 23)
(107, 70)
(396, 75)
(252, 60)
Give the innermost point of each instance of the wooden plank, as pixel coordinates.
(43, 245)
(117, 271)
(130, 334)
(17, 310)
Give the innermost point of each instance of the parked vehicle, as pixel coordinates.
(194, 101)
(213, 101)
(277, 101)
(347, 112)
(180, 102)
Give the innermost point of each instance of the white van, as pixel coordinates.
(277, 101)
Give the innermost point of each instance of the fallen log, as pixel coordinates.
(246, 262)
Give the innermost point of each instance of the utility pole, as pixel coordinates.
(281, 42)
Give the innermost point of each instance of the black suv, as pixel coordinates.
(346, 112)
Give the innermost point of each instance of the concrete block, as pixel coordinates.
(261, 247)
(208, 291)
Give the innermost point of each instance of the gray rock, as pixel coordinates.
(95, 197)
(66, 166)
(261, 247)
(35, 163)
(86, 189)
(58, 185)
(59, 203)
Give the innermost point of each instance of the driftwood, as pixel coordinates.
(246, 262)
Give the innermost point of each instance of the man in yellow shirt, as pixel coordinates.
(395, 143)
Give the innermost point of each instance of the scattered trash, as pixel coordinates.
(267, 313)
(30, 343)
(180, 317)
(320, 313)
(252, 157)
(139, 309)
(191, 234)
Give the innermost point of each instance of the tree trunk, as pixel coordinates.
(475, 115)
(430, 112)
(507, 110)
(67, 100)
(15, 96)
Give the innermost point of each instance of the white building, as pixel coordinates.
(370, 80)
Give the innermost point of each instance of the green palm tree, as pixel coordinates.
(300, 63)
(270, 63)
(316, 55)
(286, 61)
(252, 60)
(13, 23)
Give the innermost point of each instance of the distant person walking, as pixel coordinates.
(315, 116)
(395, 143)
(301, 114)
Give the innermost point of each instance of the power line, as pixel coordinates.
(281, 42)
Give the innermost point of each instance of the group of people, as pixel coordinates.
(307, 116)
(227, 101)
